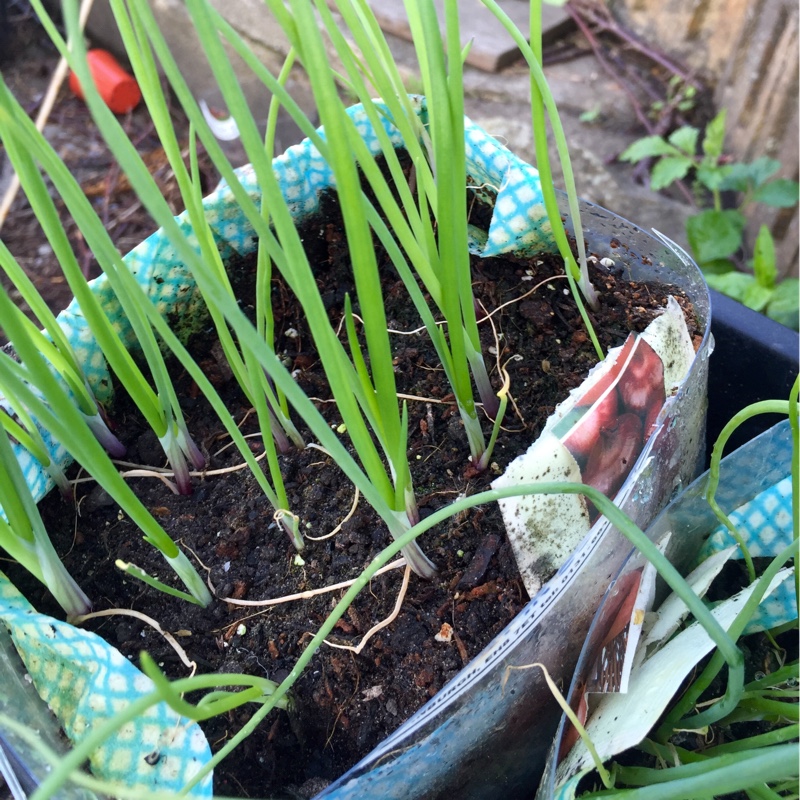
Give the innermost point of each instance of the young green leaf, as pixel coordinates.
(648, 147)
(781, 193)
(756, 296)
(24, 538)
(734, 284)
(685, 139)
(713, 176)
(668, 170)
(747, 177)
(715, 135)
(784, 307)
(762, 169)
(764, 260)
(715, 234)
(160, 407)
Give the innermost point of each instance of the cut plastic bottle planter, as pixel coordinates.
(489, 729)
(755, 490)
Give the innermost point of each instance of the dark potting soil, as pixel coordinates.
(345, 702)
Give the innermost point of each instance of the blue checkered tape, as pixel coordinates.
(765, 524)
(85, 681)
(519, 224)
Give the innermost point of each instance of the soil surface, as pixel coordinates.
(346, 701)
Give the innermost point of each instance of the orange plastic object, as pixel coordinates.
(118, 88)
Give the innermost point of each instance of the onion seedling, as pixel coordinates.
(542, 100)
(34, 389)
(383, 498)
(219, 700)
(283, 429)
(26, 433)
(51, 407)
(362, 383)
(286, 252)
(23, 535)
(55, 346)
(374, 388)
(431, 229)
(760, 764)
(161, 407)
(362, 380)
(246, 370)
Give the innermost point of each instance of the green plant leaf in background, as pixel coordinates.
(781, 193)
(733, 283)
(648, 147)
(713, 176)
(715, 234)
(756, 296)
(714, 137)
(784, 307)
(668, 170)
(764, 268)
(685, 139)
(745, 177)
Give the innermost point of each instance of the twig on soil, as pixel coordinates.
(517, 412)
(239, 425)
(129, 612)
(400, 562)
(501, 367)
(339, 526)
(153, 473)
(375, 628)
(522, 296)
(163, 473)
(426, 400)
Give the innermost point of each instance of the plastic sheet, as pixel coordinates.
(755, 492)
(21, 764)
(85, 682)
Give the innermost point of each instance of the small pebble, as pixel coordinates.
(96, 499)
(125, 631)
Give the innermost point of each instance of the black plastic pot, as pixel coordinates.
(754, 359)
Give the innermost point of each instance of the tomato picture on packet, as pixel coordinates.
(611, 423)
(597, 436)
